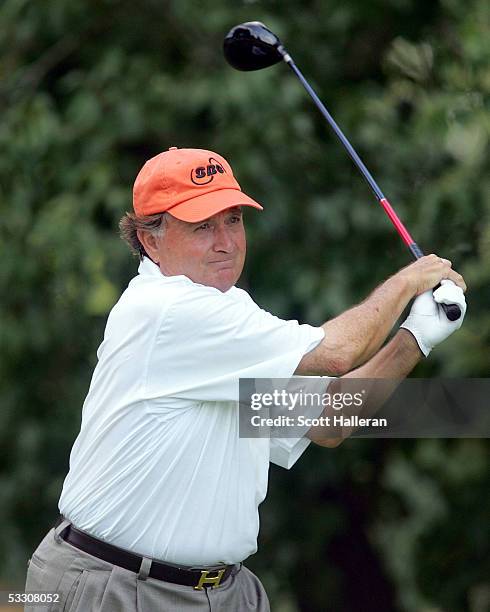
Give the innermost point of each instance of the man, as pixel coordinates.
(160, 506)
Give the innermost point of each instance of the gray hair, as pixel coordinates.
(131, 223)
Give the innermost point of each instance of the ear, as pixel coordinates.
(150, 243)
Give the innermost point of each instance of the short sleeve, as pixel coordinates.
(207, 340)
(286, 451)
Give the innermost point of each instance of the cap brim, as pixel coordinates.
(209, 204)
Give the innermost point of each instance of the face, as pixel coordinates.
(211, 252)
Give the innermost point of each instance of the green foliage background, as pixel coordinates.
(90, 89)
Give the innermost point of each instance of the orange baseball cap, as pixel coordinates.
(190, 184)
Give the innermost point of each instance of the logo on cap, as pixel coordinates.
(202, 175)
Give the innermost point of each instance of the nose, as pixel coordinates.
(223, 241)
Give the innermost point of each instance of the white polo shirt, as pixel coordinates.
(158, 467)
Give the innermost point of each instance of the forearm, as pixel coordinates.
(362, 330)
(355, 335)
(394, 361)
(392, 364)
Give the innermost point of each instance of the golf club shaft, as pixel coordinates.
(452, 311)
(400, 228)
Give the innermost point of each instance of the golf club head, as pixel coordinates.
(252, 46)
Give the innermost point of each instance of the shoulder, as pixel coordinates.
(209, 307)
(177, 303)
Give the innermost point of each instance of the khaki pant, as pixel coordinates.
(88, 584)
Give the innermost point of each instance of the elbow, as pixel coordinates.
(340, 366)
(327, 360)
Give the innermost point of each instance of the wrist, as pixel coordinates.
(411, 342)
(404, 284)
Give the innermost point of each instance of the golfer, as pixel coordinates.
(160, 505)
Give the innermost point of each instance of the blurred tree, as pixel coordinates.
(89, 90)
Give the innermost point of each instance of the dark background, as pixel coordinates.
(90, 89)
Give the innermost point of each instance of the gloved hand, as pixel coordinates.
(428, 322)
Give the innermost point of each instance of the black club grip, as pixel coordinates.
(453, 311)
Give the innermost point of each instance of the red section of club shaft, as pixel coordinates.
(400, 228)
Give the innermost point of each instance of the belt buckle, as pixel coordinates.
(205, 580)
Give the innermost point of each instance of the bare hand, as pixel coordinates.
(427, 272)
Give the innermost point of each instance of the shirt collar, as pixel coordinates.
(148, 268)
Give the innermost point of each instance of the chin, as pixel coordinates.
(225, 280)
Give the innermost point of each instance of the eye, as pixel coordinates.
(236, 219)
(203, 226)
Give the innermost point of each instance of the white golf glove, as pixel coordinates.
(427, 320)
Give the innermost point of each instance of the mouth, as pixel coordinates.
(223, 265)
(222, 261)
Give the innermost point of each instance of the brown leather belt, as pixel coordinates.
(194, 577)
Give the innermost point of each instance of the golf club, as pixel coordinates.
(252, 46)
